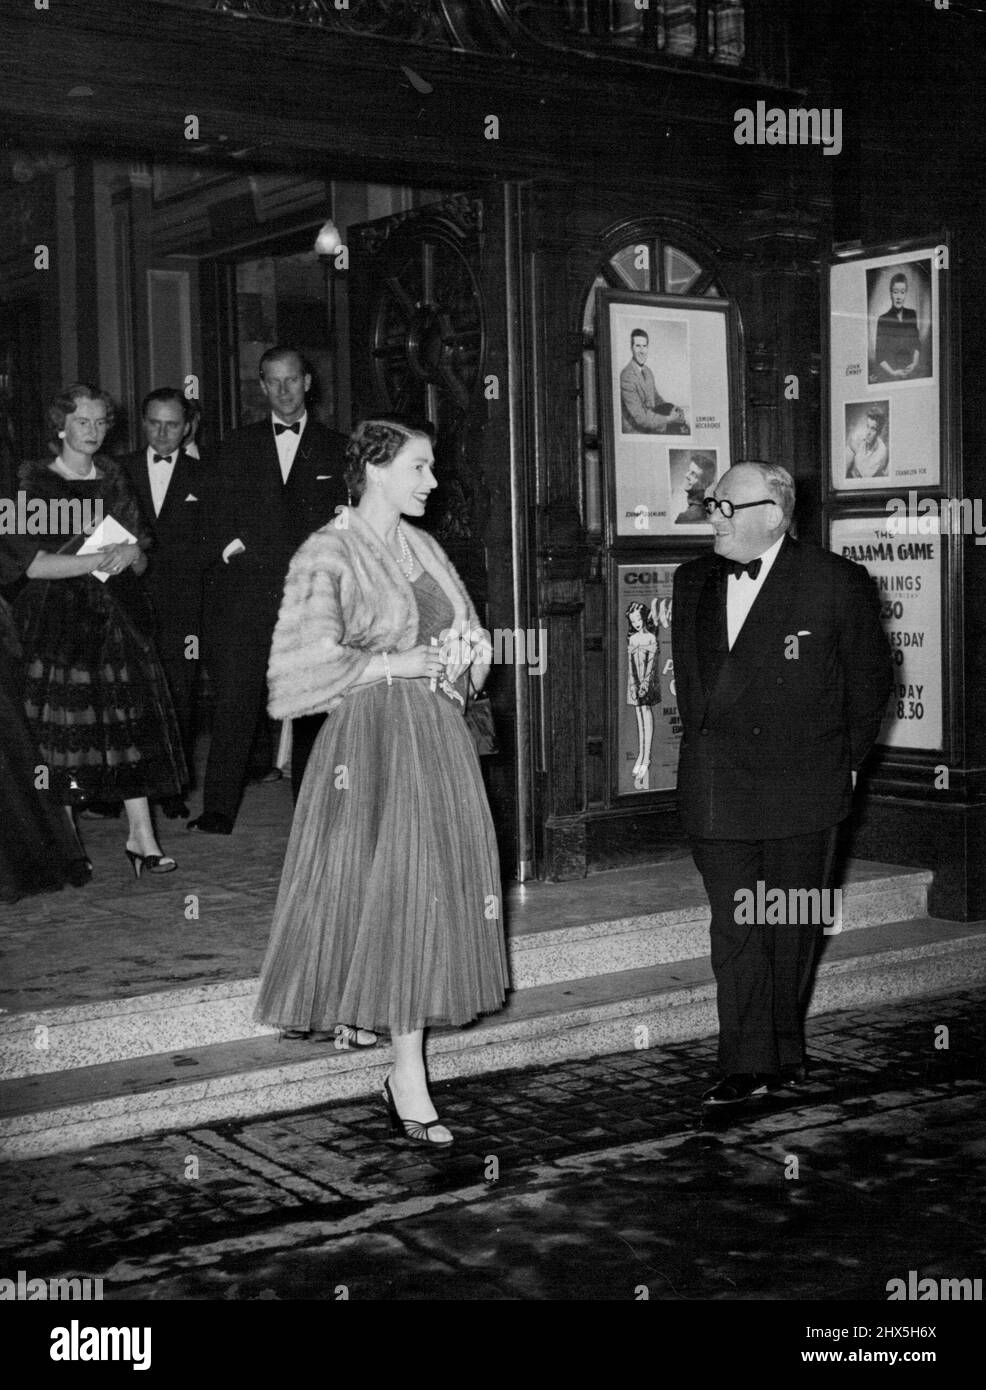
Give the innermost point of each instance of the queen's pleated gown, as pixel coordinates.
(389, 915)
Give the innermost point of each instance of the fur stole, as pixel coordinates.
(345, 599)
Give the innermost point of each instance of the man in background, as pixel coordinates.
(276, 482)
(172, 490)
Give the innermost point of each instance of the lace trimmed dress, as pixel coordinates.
(37, 850)
(389, 913)
(96, 696)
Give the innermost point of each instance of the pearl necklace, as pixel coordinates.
(74, 477)
(406, 557)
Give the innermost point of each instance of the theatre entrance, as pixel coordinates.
(431, 294)
(412, 317)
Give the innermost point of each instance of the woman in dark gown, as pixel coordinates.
(38, 852)
(95, 693)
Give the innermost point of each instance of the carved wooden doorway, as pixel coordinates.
(431, 301)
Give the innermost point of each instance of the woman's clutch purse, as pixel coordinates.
(479, 719)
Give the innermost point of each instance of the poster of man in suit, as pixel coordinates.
(667, 372)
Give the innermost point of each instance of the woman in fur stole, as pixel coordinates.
(389, 910)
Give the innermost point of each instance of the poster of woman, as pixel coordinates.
(645, 726)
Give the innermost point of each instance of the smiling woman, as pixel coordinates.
(389, 912)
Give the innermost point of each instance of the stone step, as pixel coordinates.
(613, 1012)
(541, 953)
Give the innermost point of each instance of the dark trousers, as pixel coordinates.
(304, 732)
(241, 612)
(763, 972)
(181, 675)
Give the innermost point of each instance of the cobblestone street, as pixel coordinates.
(597, 1180)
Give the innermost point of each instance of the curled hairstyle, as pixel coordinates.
(377, 442)
(67, 403)
(878, 418)
(646, 620)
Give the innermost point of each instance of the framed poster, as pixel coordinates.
(887, 368)
(909, 568)
(645, 729)
(666, 374)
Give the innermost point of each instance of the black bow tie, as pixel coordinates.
(161, 458)
(295, 428)
(734, 567)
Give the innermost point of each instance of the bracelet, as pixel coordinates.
(386, 667)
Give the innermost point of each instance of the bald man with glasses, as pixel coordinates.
(782, 672)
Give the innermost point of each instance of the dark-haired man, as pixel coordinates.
(643, 410)
(172, 489)
(699, 477)
(277, 481)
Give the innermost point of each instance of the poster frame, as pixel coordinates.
(614, 646)
(947, 751)
(867, 258)
(664, 532)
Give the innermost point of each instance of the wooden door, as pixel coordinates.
(430, 303)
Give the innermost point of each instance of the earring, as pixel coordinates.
(61, 434)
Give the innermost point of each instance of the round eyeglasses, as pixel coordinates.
(727, 508)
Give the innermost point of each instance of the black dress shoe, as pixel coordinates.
(794, 1074)
(173, 807)
(264, 774)
(735, 1089)
(211, 823)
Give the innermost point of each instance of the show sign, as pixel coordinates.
(907, 570)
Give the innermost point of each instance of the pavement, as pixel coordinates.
(583, 1181)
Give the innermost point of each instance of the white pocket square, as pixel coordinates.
(323, 477)
(804, 633)
(191, 497)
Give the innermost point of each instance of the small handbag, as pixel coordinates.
(479, 720)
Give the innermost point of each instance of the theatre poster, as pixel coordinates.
(644, 723)
(887, 326)
(907, 566)
(666, 427)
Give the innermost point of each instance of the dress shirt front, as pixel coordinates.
(159, 476)
(287, 444)
(741, 592)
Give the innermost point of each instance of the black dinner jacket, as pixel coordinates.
(179, 551)
(772, 729)
(271, 517)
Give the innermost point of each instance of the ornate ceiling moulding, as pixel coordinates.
(410, 21)
(705, 35)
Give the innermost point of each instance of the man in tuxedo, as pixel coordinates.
(277, 481)
(172, 489)
(898, 344)
(782, 672)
